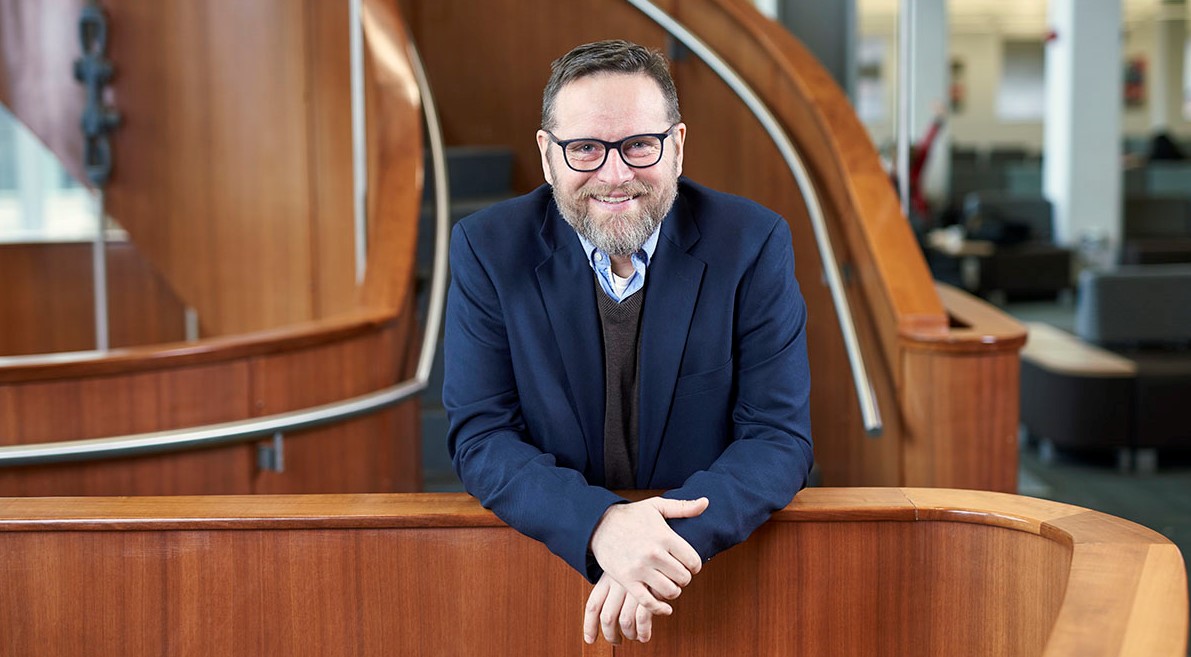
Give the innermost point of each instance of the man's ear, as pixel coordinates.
(679, 138)
(544, 149)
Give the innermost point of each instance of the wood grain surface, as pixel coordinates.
(901, 572)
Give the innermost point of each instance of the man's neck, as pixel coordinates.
(622, 266)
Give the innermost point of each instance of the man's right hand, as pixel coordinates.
(636, 547)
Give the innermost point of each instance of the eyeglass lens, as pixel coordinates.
(638, 151)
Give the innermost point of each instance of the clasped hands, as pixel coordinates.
(644, 562)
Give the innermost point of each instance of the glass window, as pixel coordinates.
(39, 200)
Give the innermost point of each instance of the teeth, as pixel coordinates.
(609, 199)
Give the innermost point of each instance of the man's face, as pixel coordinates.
(616, 207)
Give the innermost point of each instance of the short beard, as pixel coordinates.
(624, 234)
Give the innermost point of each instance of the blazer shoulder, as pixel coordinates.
(508, 221)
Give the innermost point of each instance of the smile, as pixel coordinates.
(614, 200)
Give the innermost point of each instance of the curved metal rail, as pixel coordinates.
(869, 410)
(246, 430)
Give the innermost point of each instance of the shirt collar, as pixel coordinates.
(648, 247)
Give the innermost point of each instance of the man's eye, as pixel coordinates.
(585, 151)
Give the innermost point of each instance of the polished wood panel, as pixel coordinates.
(119, 405)
(233, 176)
(838, 572)
(233, 166)
(395, 158)
(215, 190)
(56, 312)
(376, 453)
(53, 308)
(155, 357)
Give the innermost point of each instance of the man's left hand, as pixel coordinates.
(611, 610)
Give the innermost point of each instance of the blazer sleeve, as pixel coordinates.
(487, 438)
(770, 455)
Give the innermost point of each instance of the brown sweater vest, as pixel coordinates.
(620, 323)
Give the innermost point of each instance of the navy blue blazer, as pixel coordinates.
(724, 382)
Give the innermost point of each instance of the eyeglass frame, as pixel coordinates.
(609, 146)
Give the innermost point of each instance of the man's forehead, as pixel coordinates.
(611, 100)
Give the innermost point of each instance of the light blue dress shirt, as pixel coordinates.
(602, 265)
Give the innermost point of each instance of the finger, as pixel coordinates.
(685, 555)
(628, 618)
(680, 508)
(644, 624)
(646, 598)
(610, 613)
(662, 587)
(591, 611)
(671, 566)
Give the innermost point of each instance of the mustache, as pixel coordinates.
(631, 188)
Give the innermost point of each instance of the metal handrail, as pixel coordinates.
(245, 430)
(869, 410)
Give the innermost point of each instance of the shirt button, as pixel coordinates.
(599, 257)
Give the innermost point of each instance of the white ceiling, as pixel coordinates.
(1023, 17)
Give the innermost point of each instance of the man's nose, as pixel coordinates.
(615, 170)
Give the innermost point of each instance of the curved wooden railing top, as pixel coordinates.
(838, 572)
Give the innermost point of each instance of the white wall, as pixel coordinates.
(977, 124)
(981, 52)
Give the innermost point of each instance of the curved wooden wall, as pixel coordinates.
(872, 572)
(233, 171)
(947, 385)
(52, 307)
(233, 179)
(146, 389)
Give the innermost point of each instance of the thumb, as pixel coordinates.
(680, 508)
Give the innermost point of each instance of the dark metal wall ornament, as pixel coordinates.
(94, 70)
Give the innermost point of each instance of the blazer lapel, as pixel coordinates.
(568, 292)
(672, 288)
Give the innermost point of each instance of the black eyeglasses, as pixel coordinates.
(588, 154)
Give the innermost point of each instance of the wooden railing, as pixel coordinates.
(903, 572)
(232, 179)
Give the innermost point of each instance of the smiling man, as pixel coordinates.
(622, 327)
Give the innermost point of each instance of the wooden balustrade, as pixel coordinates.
(138, 390)
(903, 572)
(233, 179)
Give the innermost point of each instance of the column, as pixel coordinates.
(1166, 70)
(1082, 166)
(827, 29)
(930, 86)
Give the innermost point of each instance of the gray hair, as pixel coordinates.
(614, 56)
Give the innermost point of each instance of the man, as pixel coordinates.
(619, 328)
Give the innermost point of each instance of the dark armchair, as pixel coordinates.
(1024, 262)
